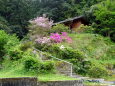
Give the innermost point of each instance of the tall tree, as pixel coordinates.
(17, 13)
(105, 18)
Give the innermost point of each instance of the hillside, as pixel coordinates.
(92, 47)
(57, 40)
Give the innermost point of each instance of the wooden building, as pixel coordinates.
(74, 23)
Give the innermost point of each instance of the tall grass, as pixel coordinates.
(93, 46)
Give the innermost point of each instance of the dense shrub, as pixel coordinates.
(3, 41)
(7, 42)
(15, 53)
(46, 56)
(20, 50)
(88, 67)
(109, 53)
(33, 64)
(69, 53)
(86, 29)
(59, 28)
(109, 64)
(12, 42)
(47, 66)
(26, 45)
(81, 67)
(97, 71)
(65, 53)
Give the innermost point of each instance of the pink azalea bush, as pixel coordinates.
(42, 22)
(44, 40)
(58, 38)
(39, 27)
(39, 30)
(54, 38)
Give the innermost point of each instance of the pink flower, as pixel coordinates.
(42, 22)
(44, 40)
(69, 40)
(64, 33)
(57, 38)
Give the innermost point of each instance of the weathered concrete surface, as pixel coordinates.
(31, 81)
(61, 83)
(26, 81)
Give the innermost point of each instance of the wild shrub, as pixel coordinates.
(3, 41)
(97, 71)
(39, 27)
(58, 38)
(6, 43)
(53, 39)
(59, 28)
(85, 29)
(47, 66)
(81, 67)
(32, 64)
(15, 53)
(26, 45)
(65, 53)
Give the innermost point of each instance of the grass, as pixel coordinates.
(54, 77)
(17, 70)
(96, 48)
(92, 45)
(94, 84)
(41, 77)
(110, 78)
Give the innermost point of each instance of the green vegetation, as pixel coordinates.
(7, 42)
(91, 54)
(59, 28)
(54, 77)
(99, 52)
(94, 84)
(93, 45)
(16, 69)
(104, 14)
(91, 48)
(41, 77)
(17, 13)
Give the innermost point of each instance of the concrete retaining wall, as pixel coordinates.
(33, 82)
(18, 81)
(61, 83)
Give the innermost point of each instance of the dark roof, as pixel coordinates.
(68, 20)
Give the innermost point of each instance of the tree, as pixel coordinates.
(17, 13)
(105, 15)
(4, 25)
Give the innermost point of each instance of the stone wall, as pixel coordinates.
(61, 83)
(18, 81)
